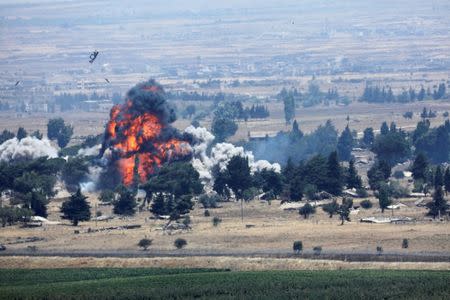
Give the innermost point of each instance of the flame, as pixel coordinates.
(137, 140)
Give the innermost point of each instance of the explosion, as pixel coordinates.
(140, 136)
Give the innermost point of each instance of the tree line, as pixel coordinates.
(376, 94)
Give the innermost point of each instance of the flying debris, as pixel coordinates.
(93, 56)
(107, 80)
(17, 83)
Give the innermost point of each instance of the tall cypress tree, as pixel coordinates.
(353, 180)
(126, 204)
(383, 197)
(384, 128)
(447, 180)
(438, 206)
(438, 178)
(419, 167)
(345, 145)
(334, 174)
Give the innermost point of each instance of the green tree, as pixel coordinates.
(159, 207)
(368, 137)
(126, 203)
(6, 135)
(76, 209)
(180, 243)
(307, 210)
(392, 147)
(107, 196)
(331, 208)
(383, 196)
(21, 133)
(353, 179)
(447, 180)
(145, 243)
(38, 203)
(344, 210)
(65, 136)
(37, 134)
(420, 166)
(58, 130)
(438, 206)
(345, 145)
(174, 186)
(297, 247)
(190, 110)
(239, 178)
(223, 128)
(334, 174)
(75, 171)
(384, 128)
(438, 178)
(296, 134)
(289, 108)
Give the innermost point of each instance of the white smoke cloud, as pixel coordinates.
(220, 155)
(90, 151)
(90, 185)
(26, 148)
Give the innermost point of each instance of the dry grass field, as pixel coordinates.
(274, 232)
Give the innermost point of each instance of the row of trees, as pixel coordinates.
(376, 94)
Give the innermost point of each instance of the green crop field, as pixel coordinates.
(221, 284)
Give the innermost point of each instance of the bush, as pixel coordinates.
(206, 213)
(145, 243)
(379, 250)
(297, 247)
(216, 221)
(362, 192)
(209, 201)
(366, 204)
(347, 201)
(187, 221)
(317, 250)
(107, 196)
(180, 243)
(307, 210)
(405, 244)
(398, 191)
(98, 213)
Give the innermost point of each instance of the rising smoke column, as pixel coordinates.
(140, 136)
(206, 157)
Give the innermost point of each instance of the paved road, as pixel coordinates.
(331, 255)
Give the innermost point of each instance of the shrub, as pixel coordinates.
(180, 243)
(398, 191)
(206, 213)
(307, 210)
(379, 250)
(209, 201)
(366, 204)
(362, 192)
(187, 221)
(405, 244)
(145, 243)
(216, 221)
(297, 247)
(317, 250)
(98, 213)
